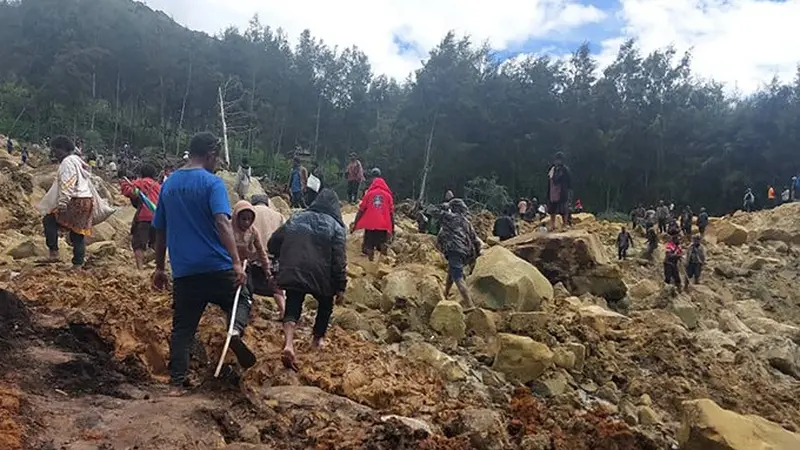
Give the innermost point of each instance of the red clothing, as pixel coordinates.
(376, 208)
(674, 249)
(150, 188)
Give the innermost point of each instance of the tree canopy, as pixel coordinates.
(642, 129)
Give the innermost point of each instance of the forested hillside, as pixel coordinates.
(114, 71)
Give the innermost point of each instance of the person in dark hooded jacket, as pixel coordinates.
(311, 252)
(702, 221)
(459, 243)
(504, 227)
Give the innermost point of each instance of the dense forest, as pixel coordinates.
(643, 128)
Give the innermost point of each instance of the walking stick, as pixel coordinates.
(232, 321)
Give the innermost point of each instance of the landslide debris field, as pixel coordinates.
(570, 349)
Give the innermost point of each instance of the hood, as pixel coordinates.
(327, 202)
(242, 205)
(379, 183)
(458, 206)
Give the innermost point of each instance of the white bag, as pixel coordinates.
(313, 183)
(50, 201)
(101, 210)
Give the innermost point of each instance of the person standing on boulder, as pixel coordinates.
(298, 178)
(193, 220)
(558, 186)
(143, 235)
(355, 176)
(459, 243)
(672, 259)
(504, 227)
(702, 221)
(311, 252)
(375, 216)
(652, 241)
(695, 260)
(749, 200)
(243, 176)
(624, 241)
(73, 210)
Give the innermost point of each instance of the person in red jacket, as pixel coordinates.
(375, 216)
(142, 235)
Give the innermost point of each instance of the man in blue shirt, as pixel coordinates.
(298, 179)
(192, 220)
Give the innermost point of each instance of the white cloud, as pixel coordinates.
(743, 43)
(372, 25)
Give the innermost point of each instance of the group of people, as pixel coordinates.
(789, 194)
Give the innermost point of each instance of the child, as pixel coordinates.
(142, 234)
(250, 247)
(695, 261)
(671, 260)
(624, 240)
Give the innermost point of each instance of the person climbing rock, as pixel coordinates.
(193, 220)
(695, 260)
(355, 176)
(311, 252)
(459, 243)
(504, 226)
(749, 201)
(702, 221)
(686, 220)
(253, 249)
(23, 156)
(672, 259)
(298, 177)
(375, 216)
(243, 176)
(143, 236)
(268, 220)
(624, 241)
(558, 186)
(662, 216)
(73, 207)
(652, 241)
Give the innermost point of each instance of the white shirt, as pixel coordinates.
(73, 179)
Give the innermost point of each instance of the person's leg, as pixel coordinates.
(321, 322)
(667, 273)
(78, 248)
(456, 274)
(552, 221)
(448, 284)
(221, 290)
(187, 309)
(294, 309)
(51, 235)
(140, 235)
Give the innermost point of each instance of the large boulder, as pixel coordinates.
(522, 358)
(728, 232)
(410, 287)
(448, 319)
(439, 361)
(254, 188)
(360, 291)
(280, 205)
(501, 280)
(706, 426)
(575, 258)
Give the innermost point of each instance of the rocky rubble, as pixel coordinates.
(568, 349)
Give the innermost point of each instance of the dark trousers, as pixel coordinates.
(352, 190)
(622, 252)
(294, 308)
(190, 296)
(310, 196)
(298, 200)
(51, 239)
(662, 225)
(671, 274)
(693, 270)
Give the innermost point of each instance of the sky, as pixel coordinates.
(742, 43)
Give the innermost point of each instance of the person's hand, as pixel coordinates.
(339, 300)
(241, 276)
(160, 280)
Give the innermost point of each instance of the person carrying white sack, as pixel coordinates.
(72, 203)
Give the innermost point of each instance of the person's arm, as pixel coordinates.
(127, 188)
(262, 255)
(225, 231)
(338, 261)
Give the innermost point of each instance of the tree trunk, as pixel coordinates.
(224, 127)
(316, 129)
(94, 97)
(426, 168)
(183, 110)
(116, 115)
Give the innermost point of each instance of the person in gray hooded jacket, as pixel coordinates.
(460, 245)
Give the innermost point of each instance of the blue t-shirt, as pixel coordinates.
(294, 181)
(186, 207)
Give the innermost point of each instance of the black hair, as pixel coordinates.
(203, 143)
(245, 161)
(296, 160)
(62, 143)
(148, 171)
